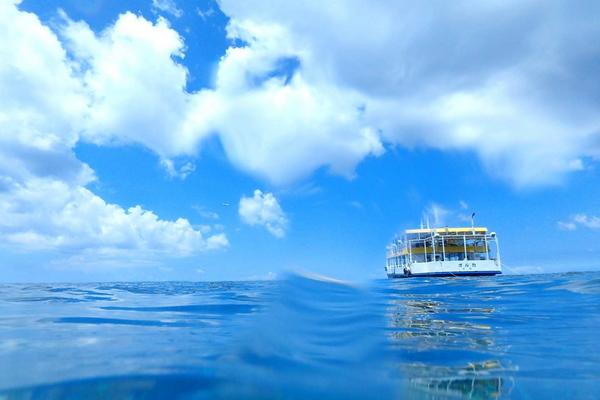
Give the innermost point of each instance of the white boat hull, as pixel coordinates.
(447, 268)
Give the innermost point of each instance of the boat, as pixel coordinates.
(457, 251)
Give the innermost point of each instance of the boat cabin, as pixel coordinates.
(443, 244)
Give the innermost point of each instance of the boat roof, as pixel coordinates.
(448, 230)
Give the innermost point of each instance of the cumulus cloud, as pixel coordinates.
(48, 214)
(41, 102)
(305, 85)
(135, 85)
(263, 209)
(317, 85)
(48, 103)
(273, 122)
(580, 220)
(512, 82)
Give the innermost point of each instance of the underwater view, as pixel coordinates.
(521, 337)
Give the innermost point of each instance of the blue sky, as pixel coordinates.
(165, 140)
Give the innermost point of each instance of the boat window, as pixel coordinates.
(493, 249)
(419, 257)
(449, 247)
(455, 256)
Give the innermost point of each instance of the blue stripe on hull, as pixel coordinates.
(442, 274)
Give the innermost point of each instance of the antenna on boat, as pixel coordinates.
(428, 227)
(473, 222)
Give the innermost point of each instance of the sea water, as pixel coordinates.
(522, 337)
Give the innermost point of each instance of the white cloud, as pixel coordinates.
(168, 6)
(315, 85)
(263, 209)
(174, 171)
(440, 215)
(48, 103)
(436, 215)
(502, 80)
(273, 122)
(262, 109)
(580, 220)
(255, 107)
(338, 87)
(50, 214)
(205, 14)
(589, 221)
(566, 226)
(205, 213)
(135, 85)
(41, 102)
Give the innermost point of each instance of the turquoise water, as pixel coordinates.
(521, 337)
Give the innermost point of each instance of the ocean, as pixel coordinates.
(521, 337)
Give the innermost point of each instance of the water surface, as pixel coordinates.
(445, 338)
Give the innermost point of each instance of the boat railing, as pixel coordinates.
(446, 247)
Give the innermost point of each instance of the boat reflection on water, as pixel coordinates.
(482, 380)
(447, 349)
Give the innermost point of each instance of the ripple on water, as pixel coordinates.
(480, 338)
